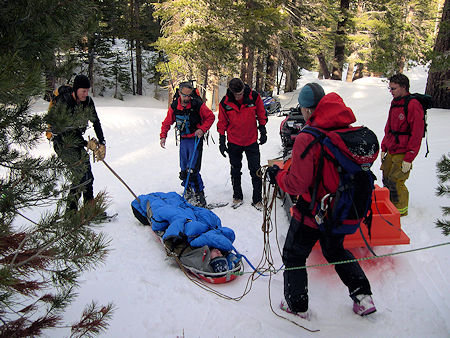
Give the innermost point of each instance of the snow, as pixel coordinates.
(152, 296)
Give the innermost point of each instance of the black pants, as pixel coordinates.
(77, 160)
(299, 243)
(253, 158)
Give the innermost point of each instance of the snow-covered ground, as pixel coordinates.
(152, 296)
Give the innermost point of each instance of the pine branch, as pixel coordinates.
(93, 320)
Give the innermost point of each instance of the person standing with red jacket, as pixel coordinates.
(326, 112)
(401, 142)
(193, 119)
(241, 115)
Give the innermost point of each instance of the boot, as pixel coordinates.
(285, 307)
(363, 305)
(200, 197)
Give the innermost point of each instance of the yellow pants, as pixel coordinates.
(394, 179)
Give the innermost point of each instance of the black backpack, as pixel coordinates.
(426, 102)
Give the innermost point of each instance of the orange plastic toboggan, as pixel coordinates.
(386, 228)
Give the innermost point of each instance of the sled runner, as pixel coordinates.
(193, 235)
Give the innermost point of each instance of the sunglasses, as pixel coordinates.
(392, 88)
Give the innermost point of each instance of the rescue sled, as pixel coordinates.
(190, 234)
(385, 229)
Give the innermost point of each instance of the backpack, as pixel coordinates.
(352, 152)
(187, 120)
(426, 102)
(61, 90)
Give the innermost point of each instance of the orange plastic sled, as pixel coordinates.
(386, 228)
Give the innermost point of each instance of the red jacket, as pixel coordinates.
(239, 121)
(414, 124)
(299, 179)
(206, 119)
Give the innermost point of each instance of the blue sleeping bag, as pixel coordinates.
(179, 219)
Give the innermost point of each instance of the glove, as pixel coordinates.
(272, 173)
(406, 166)
(222, 147)
(263, 134)
(92, 144)
(100, 153)
(199, 133)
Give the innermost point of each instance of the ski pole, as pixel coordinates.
(121, 180)
(197, 141)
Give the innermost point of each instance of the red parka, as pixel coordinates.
(239, 121)
(413, 124)
(206, 119)
(331, 113)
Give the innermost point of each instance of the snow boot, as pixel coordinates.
(189, 194)
(200, 198)
(363, 305)
(258, 206)
(304, 315)
(236, 203)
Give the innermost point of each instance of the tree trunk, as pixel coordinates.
(132, 67)
(216, 99)
(279, 80)
(351, 68)
(138, 68)
(210, 92)
(259, 73)
(250, 66)
(271, 69)
(323, 66)
(291, 78)
(205, 84)
(244, 63)
(438, 82)
(359, 71)
(138, 48)
(91, 59)
(339, 46)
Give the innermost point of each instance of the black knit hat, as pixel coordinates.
(81, 81)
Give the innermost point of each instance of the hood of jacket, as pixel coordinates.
(331, 113)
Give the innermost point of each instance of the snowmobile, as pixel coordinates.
(271, 105)
(289, 129)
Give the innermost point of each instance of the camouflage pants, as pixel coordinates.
(394, 179)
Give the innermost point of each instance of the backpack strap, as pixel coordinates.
(318, 138)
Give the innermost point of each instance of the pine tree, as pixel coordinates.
(443, 170)
(438, 81)
(41, 255)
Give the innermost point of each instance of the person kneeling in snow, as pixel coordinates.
(326, 112)
(193, 119)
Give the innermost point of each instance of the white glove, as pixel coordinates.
(406, 166)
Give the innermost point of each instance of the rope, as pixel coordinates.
(269, 203)
(354, 260)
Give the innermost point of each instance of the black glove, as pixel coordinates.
(263, 134)
(222, 146)
(272, 173)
